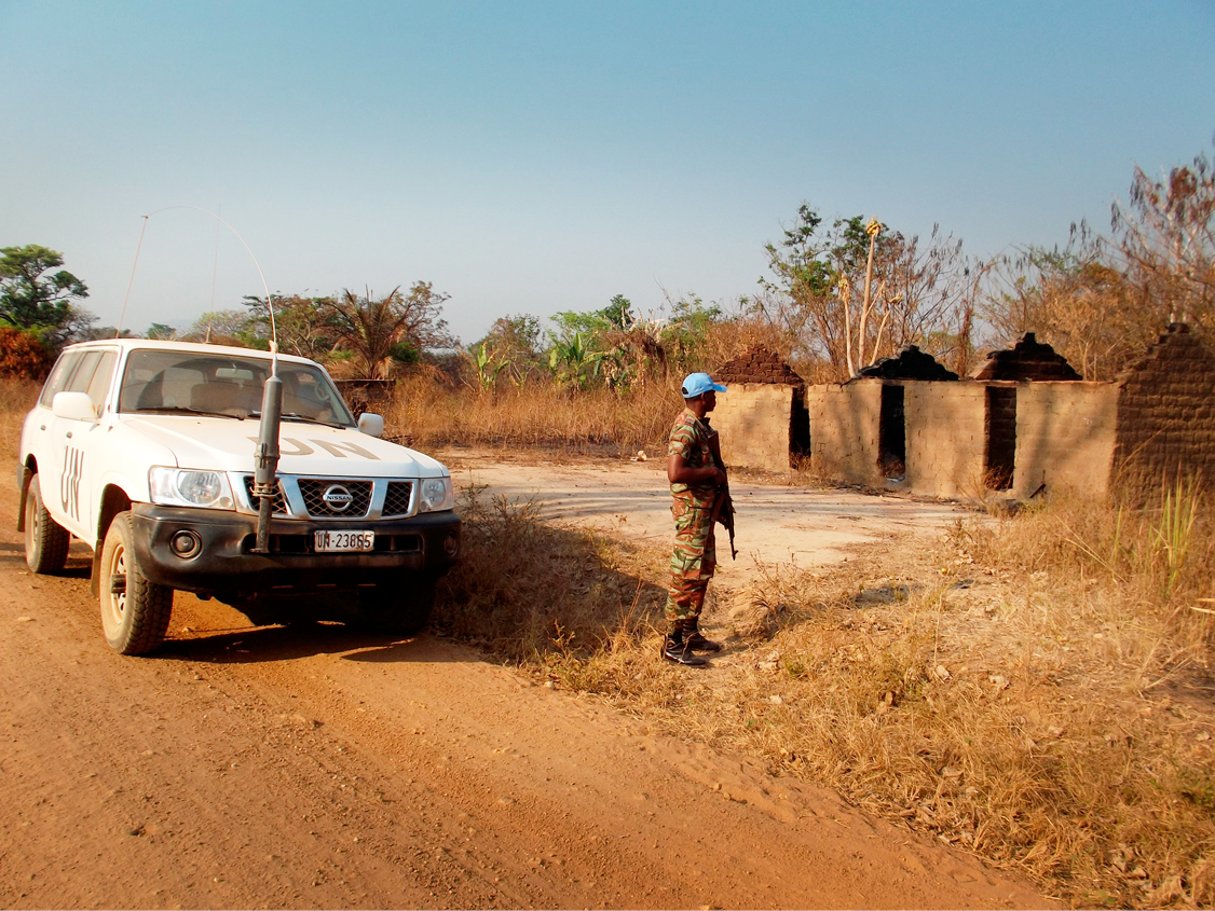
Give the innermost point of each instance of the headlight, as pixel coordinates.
(190, 487)
(436, 494)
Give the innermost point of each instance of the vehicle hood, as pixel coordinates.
(307, 449)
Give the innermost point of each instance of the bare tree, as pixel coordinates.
(1167, 243)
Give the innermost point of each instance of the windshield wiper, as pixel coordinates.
(302, 419)
(178, 409)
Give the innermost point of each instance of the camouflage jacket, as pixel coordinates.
(690, 439)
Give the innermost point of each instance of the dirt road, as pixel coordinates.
(314, 767)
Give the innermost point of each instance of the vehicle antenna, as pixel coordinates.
(267, 452)
(261, 275)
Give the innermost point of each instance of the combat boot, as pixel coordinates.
(694, 640)
(678, 650)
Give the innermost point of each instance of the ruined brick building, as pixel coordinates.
(1024, 422)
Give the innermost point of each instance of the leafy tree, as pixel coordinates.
(222, 327)
(161, 332)
(858, 291)
(685, 334)
(512, 345)
(618, 314)
(303, 325)
(35, 298)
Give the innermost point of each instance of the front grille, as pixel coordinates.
(335, 499)
(396, 501)
(280, 499)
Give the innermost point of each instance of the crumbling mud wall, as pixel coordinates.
(968, 440)
(845, 423)
(1166, 414)
(945, 438)
(754, 422)
(762, 419)
(1065, 438)
(1023, 425)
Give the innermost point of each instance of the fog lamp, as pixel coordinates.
(185, 544)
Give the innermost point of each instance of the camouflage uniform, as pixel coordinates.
(695, 555)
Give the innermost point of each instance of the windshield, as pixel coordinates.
(186, 381)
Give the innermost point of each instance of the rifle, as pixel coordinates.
(723, 506)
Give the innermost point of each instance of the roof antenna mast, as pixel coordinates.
(266, 455)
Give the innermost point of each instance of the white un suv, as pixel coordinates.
(146, 451)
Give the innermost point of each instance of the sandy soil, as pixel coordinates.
(315, 767)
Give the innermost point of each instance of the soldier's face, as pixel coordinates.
(710, 399)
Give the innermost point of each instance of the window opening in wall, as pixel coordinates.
(799, 429)
(1001, 428)
(892, 435)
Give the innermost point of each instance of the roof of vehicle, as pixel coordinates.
(198, 347)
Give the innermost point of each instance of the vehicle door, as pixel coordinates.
(69, 484)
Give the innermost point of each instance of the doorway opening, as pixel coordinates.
(799, 428)
(892, 435)
(1001, 429)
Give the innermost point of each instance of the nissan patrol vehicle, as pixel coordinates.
(231, 473)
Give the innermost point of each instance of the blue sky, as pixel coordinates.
(533, 157)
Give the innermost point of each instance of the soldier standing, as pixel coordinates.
(697, 480)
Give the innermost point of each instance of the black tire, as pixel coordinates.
(134, 612)
(396, 612)
(46, 541)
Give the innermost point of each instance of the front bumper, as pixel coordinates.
(426, 544)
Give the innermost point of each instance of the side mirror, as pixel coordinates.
(75, 406)
(370, 424)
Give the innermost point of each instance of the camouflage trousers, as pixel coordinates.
(693, 561)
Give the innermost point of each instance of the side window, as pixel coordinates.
(103, 378)
(60, 375)
(82, 376)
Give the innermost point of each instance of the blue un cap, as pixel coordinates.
(695, 384)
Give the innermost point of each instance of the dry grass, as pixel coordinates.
(1035, 689)
(424, 413)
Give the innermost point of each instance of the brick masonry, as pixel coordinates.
(1166, 415)
(753, 420)
(758, 365)
(755, 417)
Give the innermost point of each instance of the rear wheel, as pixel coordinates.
(134, 611)
(46, 541)
(397, 612)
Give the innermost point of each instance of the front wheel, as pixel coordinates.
(401, 611)
(46, 541)
(134, 611)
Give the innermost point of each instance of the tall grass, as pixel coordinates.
(421, 412)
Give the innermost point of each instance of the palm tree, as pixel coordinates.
(381, 332)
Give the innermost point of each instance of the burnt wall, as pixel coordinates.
(1166, 413)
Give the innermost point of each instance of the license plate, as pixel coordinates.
(342, 541)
